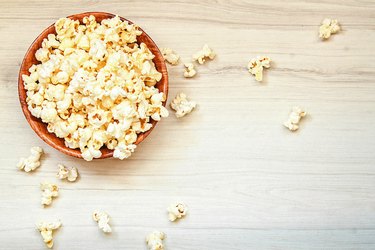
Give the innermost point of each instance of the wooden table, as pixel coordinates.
(249, 182)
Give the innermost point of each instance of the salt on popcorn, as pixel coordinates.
(49, 191)
(170, 56)
(189, 70)
(328, 27)
(102, 218)
(204, 54)
(155, 240)
(176, 211)
(65, 173)
(32, 162)
(46, 230)
(95, 86)
(256, 66)
(294, 118)
(182, 105)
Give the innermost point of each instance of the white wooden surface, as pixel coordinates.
(249, 182)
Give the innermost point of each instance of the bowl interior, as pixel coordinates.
(41, 128)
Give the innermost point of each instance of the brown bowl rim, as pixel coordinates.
(34, 122)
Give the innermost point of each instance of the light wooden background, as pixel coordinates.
(249, 182)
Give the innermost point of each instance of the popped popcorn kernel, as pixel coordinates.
(155, 240)
(70, 174)
(256, 66)
(102, 218)
(170, 56)
(123, 151)
(95, 86)
(294, 118)
(189, 70)
(49, 191)
(176, 211)
(204, 54)
(46, 230)
(182, 105)
(328, 27)
(32, 162)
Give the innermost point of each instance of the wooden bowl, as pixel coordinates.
(41, 128)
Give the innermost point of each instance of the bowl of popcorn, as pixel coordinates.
(93, 85)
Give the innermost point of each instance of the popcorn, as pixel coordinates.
(98, 50)
(328, 27)
(50, 42)
(182, 105)
(49, 191)
(203, 54)
(62, 77)
(65, 28)
(70, 174)
(155, 240)
(46, 230)
(95, 86)
(123, 151)
(84, 43)
(294, 118)
(256, 66)
(90, 153)
(189, 70)
(102, 218)
(170, 56)
(42, 54)
(32, 162)
(176, 211)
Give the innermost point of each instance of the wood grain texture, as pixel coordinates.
(29, 59)
(249, 182)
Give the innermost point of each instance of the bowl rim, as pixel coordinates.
(34, 122)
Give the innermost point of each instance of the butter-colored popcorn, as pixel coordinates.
(42, 54)
(182, 105)
(46, 230)
(50, 42)
(202, 55)
(102, 218)
(155, 240)
(32, 162)
(49, 191)
(170, 56)
(256, 66)
(65, 28)
(70, 174)
(176, 211)
(95, 86)
(328, 27)
(123, 151)
(294, 118)
(189, 70)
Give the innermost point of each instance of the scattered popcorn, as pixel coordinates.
(256, 66)
(32, 162)
(102, 218)
(203, 54)
(155, 240)
(294, 118)
(70, 174)
(95, 86)
(49, 191)
(46, 230)
(182, 106)
(176, 211)
(328, 27)
(189, 70)
(170, 56)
